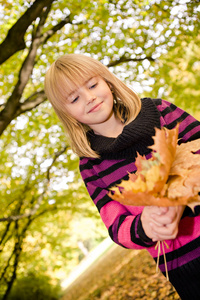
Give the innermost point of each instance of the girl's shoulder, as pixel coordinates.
(159, 102)
(87, 163)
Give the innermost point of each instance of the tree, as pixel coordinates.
(177, 76)
(41, 191)
(138, 33)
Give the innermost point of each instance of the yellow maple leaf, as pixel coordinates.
(185, 157)
(170, 177)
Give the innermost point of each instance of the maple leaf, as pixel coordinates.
(170, 177)
(186, 157)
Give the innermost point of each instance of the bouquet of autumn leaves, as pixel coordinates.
(170, 177)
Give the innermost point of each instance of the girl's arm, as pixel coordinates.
(123, 223)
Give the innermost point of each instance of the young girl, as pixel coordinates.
(108, 124)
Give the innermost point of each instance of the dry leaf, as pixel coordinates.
(185, 157)
(171, 177)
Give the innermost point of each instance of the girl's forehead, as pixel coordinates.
(72, 86)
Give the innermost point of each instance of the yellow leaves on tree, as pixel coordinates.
(171, 177)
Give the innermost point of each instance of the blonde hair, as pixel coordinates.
(68, 73)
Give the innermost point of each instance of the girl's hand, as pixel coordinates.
(161, 223)
(147, 221)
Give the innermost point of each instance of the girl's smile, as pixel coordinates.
(96, 107)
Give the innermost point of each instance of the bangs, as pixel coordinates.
(70, 76)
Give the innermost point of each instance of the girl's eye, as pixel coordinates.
(93, 86)
(74, 100)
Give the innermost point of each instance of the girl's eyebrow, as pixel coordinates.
(85, 82)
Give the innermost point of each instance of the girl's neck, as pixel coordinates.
(112, 128)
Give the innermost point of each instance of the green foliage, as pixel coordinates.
(178, 75)
(47, 238)
(35, 286)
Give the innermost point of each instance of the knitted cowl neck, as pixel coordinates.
(135, 137)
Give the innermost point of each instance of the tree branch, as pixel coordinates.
(13, 107)
(56, 156)
(40, 197)
(124, 59)
(4, 235)
(16, 253)
(31, 102)
(14, 40)
(48, 34)
(13, 104)
(2, 276)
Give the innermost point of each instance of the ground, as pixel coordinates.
(122, 274)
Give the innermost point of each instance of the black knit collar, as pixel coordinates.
(135, 137)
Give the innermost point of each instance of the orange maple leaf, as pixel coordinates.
(170, 177)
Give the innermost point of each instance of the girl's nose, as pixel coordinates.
(90, 97)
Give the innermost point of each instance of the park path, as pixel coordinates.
(121, 274)
(95, 274)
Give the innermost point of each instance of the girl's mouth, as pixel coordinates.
(95, 108)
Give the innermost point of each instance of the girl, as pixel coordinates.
(108, 124)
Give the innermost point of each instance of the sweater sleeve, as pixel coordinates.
(124, 226)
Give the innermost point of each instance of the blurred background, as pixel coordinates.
(48, 224)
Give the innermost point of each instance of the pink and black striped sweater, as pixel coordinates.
(117, 156)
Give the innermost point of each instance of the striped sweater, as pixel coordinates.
(117, 158)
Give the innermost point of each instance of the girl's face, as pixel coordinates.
(92, 104)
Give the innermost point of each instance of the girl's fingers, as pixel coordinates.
(156, 223)
(163, 209)
(164, 232)
(165, 219)
(165, 226)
